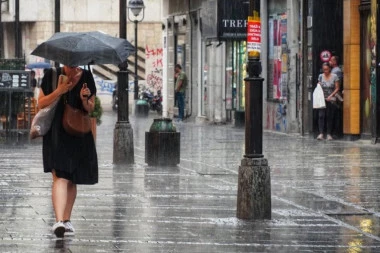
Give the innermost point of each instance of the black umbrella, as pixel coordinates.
(82, 48)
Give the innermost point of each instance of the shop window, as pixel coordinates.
(235, 74)
(277, 51)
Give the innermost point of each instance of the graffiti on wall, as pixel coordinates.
(276, 117)
(153, 67)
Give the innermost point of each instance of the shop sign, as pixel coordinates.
(232, 19)
(253, 36)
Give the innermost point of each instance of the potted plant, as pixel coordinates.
(96, 116)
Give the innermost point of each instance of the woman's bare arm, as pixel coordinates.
(45, 100)
(89, 104)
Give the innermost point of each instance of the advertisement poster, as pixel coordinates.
(254, 36)
(277, 51)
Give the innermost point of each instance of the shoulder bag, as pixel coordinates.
(75, 121)
(42, 121)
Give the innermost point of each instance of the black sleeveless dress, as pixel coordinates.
(73, 158)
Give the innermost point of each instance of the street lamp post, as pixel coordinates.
(254, 190)
(136, 6)
(123, 151)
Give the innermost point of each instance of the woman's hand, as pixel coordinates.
(328, 98)
(63, 85)
(85, 92)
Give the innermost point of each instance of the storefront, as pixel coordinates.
(368, 72)
(281, 56)
(277, 51)
(224, 59)
(235, 73)
(353, 24)
(233, 29)
(322, 38)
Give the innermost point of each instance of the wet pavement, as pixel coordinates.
(325, 197)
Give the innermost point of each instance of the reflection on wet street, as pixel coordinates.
(325, 197)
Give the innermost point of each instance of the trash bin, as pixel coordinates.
(142, 108)
(239, 118)
(162, 143)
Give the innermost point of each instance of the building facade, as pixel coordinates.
(207, 37)
(351, 33)
(215, 59)
(296, 34)
(36, 23)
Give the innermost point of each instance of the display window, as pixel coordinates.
(235, 74)
(277, 51)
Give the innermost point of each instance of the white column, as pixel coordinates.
(165, 71)
(211, 83)
(170, 67)
(264, 56)
(200, 69)
(218, 82)
(293, 47)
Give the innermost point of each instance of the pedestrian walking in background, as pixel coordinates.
(71, 159)
(330, 86)
(180, 88)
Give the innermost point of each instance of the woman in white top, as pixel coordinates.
(330, 85)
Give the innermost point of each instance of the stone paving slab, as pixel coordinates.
(325, 197)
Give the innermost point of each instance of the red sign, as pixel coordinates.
(253, 35)
(325, 56)
(254, 31)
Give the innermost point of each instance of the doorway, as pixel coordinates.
(366, 89)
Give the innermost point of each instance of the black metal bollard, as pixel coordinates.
(162, 143)
(254, 189)
(123, 151)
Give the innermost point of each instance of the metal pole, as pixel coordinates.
(57, 20)
(123, 19)
(254, 100)
(136, 55)
(123, 149)
(254, 111)
(122, 95)
(254, 190)
(17, 30)
(1, 34)
(57, 14)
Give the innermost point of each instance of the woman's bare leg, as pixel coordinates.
(71, 196)
(59, 196)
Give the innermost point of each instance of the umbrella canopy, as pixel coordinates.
(38, 65)
(82, 48)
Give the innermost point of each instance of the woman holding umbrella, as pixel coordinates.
(71, 159)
